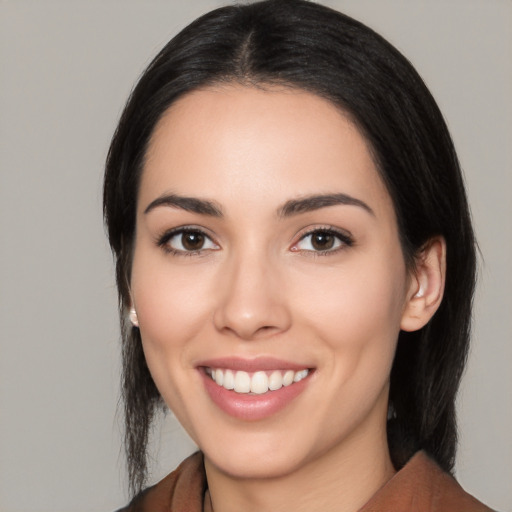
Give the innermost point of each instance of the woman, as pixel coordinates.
(295, 265)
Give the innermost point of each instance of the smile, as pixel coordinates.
(256, 383)
(254, 389)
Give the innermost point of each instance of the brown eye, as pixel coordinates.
(192, 240)
(322, 241)
(187, 241)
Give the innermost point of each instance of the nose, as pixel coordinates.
(252, 299)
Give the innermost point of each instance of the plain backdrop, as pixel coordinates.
(66, 69)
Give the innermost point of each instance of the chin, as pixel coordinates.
(259, 455)
(255, 464)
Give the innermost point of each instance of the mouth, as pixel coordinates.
(256, 383)
(254, 389)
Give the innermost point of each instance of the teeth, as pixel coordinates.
(300, 375)
(258, 383)
(288, 377)
(218, 377)
(242, 382)
(229, 379)
(275, 381)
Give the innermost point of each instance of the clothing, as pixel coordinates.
(420, 486)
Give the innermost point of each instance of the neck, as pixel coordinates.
(344, 478)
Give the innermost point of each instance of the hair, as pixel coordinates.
(300, 44)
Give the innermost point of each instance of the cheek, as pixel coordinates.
(172, 307)
(172, 313)
(357, 311)
(168, 310)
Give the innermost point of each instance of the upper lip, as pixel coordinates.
(252, 365)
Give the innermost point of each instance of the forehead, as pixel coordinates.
(236, 139)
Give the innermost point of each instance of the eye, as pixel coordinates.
(323, 241)
(187, 241)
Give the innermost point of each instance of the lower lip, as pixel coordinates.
(252, 407)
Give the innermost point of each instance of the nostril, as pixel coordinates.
(266, 330)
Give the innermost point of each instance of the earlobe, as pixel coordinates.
(426, 286)
(133, 317)
(132, 313)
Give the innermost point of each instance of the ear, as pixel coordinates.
(426, 285)
(132, 314)
(133, 317)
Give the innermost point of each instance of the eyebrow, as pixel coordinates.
(189, 204)
(290, 208)
(311, 203)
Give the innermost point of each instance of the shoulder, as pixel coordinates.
(180, 491)
(421, 485)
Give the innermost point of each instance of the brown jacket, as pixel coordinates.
(421, 486)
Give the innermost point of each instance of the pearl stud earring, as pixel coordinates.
(133, 317)
(420, 292)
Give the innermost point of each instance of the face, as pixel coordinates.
(267, 259)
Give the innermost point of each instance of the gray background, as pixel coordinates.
(66, 70)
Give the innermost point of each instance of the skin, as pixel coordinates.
(258, 287)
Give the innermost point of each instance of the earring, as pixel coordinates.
(420, 292)
(133, 317)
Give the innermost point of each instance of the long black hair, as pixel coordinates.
(310, 47)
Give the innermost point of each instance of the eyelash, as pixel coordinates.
(163, 241)
(343, 238)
